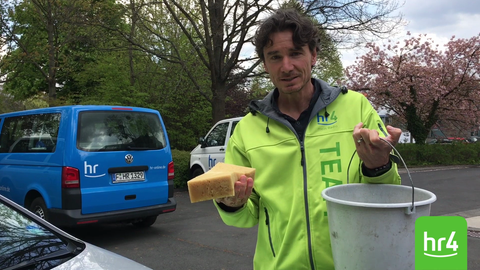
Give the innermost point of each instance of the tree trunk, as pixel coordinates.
(217, 67)
(52, 91)
(415, 125)
(132, 36)
(218, 102)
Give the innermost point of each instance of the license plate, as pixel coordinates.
(128, 177)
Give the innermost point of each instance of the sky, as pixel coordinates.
(439, 19)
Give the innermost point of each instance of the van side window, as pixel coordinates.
(36, 133)
(218, 135)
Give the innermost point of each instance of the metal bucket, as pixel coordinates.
(372, 226)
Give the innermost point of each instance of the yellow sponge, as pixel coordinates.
(218, 182)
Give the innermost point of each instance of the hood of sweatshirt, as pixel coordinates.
(327, 95)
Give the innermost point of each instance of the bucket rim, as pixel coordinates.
(432, 198)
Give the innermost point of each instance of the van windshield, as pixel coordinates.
(119, 131)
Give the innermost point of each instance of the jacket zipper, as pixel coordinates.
(302, 151)
(307, 210)
(267, 222)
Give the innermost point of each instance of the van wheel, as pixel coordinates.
(197, 172)
(145, 222)
(39, 208)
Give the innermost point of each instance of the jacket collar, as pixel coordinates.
(266, 105)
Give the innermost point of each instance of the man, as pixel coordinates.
(299, 139)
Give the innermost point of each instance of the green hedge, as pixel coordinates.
(181, 160)
(440, 154)
(413, 154)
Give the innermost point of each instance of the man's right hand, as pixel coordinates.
(243, 189)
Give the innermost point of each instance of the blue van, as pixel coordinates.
(75, 165)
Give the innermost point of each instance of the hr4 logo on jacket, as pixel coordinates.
(441, 243)
(326, 120)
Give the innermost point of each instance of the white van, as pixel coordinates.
(211, 148)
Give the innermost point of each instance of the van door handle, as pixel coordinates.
(222, 149)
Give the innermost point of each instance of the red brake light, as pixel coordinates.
(87, 222)
(171, 171)
(70, 177)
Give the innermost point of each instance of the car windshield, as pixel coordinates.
(25, 244)
(119, 131)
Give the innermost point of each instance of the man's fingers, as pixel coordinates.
(357, 137)
(394, 133)
(374, 137)
(243, 187)
(358, 127)
(249, 187)
(239, 188)
(365, 137)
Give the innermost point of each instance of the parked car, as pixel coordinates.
(473, 139)
(29, 242)
(75, 165)
(211, 148)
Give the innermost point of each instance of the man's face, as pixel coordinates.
(290, 68)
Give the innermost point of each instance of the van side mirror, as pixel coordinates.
(202, 142)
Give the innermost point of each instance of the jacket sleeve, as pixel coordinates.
(390, 177)
(247, 216)
(373, 121)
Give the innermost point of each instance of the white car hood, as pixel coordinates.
(93, 257)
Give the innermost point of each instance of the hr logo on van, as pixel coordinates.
(441, 243)
(91, 170)
(211, 162)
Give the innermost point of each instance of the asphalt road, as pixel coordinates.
(193, 237)
(458, 194)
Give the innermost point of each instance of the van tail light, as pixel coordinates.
(171, 171)
(70, 177)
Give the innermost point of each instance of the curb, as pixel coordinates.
(469, 215)
(402, 169)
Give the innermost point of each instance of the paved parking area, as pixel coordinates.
(193, 237)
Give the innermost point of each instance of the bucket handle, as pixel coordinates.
(409, 210)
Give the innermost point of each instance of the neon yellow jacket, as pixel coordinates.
(286, 203)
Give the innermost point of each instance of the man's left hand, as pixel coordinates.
(371, 149)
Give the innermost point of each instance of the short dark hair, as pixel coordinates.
(304, 31)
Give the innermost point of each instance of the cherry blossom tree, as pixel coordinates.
(422, 82)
